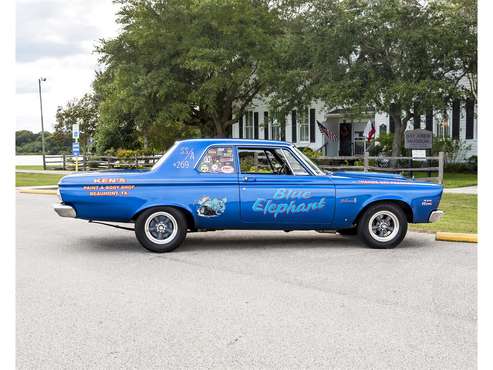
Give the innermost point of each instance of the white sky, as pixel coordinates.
(56, 39)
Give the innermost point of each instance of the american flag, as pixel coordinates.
(327, 132)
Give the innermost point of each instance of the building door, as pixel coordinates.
(345, 139)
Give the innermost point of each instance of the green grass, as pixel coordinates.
(36, 179)
(28, 167)
(454, 179)
(461, 215)
(458, 180)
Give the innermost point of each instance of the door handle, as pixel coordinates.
(249, 179)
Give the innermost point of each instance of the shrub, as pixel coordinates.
(452, 148)
(310, 153)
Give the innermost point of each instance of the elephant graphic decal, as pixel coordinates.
(211, 207)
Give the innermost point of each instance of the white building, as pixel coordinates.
(300, 127)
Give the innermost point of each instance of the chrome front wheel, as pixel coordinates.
(383, 226)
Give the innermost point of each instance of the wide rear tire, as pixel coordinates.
(161, 229)
(383, 226)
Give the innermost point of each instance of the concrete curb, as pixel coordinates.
(457, 237)
(47, 187)
(38, 191)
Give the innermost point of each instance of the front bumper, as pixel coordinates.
(64, 211)
(436, 216)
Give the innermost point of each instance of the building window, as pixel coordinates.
(276, 130)
(304, 125)
(249, 124)
(456, 119)
(276, 126)
(382, 129)
(469, 119)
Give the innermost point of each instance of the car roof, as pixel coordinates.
(228, 141)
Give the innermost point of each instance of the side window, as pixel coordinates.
(295, 165)
(269, 162)
(255, 161)
(217, 160)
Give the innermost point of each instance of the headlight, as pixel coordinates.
(58, 194)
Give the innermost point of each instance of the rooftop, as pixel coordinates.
(235, 141)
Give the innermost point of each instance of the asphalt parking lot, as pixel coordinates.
(88, 296)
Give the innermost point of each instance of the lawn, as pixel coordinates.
(461, 215)
(36, 179)
(454, 179)
(29, 167)
(457, 180)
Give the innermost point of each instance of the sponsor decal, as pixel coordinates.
(286, 201)
(227, 169)
(218, 160)
(108, 190)
(109, 180)
(211, 207)
(427, 202)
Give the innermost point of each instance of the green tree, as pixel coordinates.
(395, 56)
(180, 65)
(83, 111)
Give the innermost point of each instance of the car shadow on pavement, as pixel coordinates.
(199, 242)
(246, 241)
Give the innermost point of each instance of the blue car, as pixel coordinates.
(216, 184)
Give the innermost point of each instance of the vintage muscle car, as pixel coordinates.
(213, 184)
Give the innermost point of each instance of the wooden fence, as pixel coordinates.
(93, 163)
(404, 165)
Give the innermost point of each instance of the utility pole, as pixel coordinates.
(42, 124)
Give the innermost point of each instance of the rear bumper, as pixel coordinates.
(64, 211)
(436, 216)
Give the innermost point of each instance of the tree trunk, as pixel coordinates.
(400, 125)
(397, 140)
(219, 129)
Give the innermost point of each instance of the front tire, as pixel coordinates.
(161, 229)
(383, 226)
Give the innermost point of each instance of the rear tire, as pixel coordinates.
(383, 226)
(161, 229)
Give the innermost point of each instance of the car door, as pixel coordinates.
(277, 190)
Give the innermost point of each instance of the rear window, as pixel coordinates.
(218, 159)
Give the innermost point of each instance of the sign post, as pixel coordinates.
(418, 141)
(76, 153)
(75, 145)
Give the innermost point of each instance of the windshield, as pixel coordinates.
(164, 157)
(309, 162)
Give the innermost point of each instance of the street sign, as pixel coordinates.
(75, 149)
(75, 131)
(418, 139)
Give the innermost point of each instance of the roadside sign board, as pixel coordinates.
(419, 155)
(75, 131)
(418, 139)
(75, 149)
